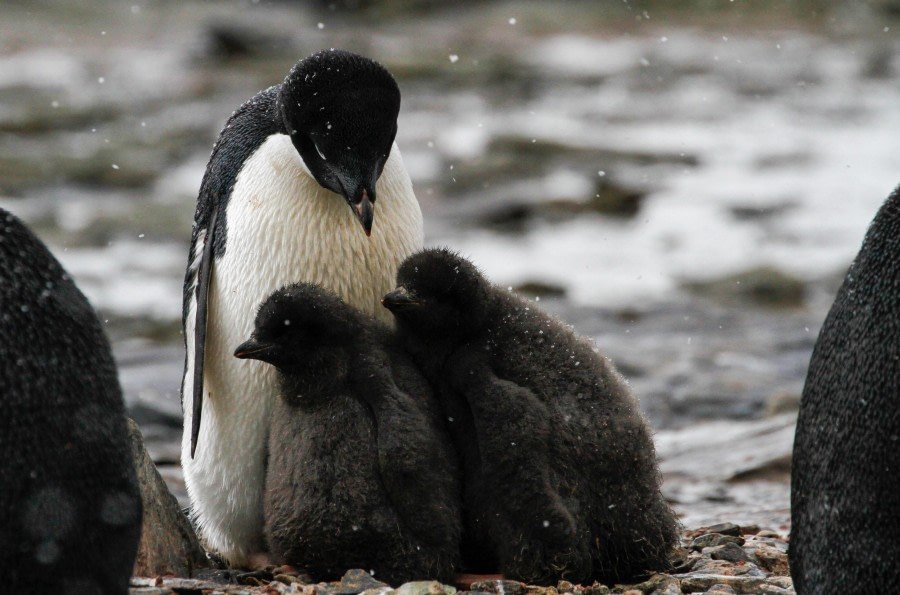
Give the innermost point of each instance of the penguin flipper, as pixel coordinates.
(206, 265)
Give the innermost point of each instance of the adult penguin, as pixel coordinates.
(844, 495)
(289, 194)
(70, 506)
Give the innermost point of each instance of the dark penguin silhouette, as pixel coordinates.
(360, 472)
(845, 501)
(70, 507)
(560, 472)
(289, 194)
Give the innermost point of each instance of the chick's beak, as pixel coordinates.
(400, 299)
(252, 349)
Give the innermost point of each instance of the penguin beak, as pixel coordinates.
(253, 350)
(365, 211)
(400, 299)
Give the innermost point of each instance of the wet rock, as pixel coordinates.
(541, 289)
(504, 587)
(771, 558)
(424, 588)
(730, 552)
(670, 588)
(172, 585)
(767, 212)
(762, 286)
(785, 582)
(609, 198)
(542, 149)
(355, 581)
(714, 539)
(168, 543)
(782, 402)
(723, 529)
(704, 582)
(230, 41)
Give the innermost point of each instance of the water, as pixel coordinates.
(740, 142)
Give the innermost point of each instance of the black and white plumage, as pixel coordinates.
(361, 473)
(559, 469)
(304, 184)
(846, 460)
(70, 506)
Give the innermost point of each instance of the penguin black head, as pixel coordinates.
(340, 110)
(302, 328)
(439, 292)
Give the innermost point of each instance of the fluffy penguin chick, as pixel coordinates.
(844, 496)
(70, 506)
(360, 472)
(304, 184)
(559, 469)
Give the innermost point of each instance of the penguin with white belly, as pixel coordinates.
(289, 195)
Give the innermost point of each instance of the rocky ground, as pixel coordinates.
(717, 560)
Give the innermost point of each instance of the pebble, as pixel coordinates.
(730, 552)
(713, 539)
(714, 560)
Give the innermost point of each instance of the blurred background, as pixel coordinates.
(685, 182)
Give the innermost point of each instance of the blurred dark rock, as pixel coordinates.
(724, 529)
(541, 289)
(230, 41)
(762, 286)
(168, 542)
(504, 587)
(354, 581)
(766, 212)
(424, 588)
(782, 402)
(714, 539)
(879, 64)
(730, 552)
(609, 199)
(771, 558)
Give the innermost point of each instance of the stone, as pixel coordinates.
(771, 558)
(424, 588)
(730, 552)
(714, 539)
(785, 582)
(504, 587)
(724, 529)
(669, 588)
(596, 589)
(703, 582)
(762, 286)
(169, 545)
(653, 583)
(720, 590)
(354, 581)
